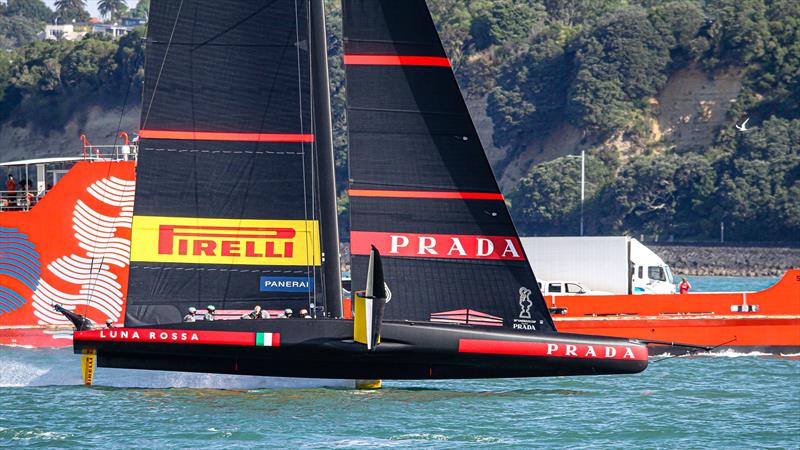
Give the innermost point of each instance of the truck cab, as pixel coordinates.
(649, 273)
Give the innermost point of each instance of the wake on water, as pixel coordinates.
(26, 367)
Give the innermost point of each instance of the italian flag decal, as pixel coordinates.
(268, 339)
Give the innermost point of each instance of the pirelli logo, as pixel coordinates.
(225, 241)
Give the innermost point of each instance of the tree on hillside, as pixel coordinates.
(31, 9)
(501, 21)
(681, 24)
(622, 61)
(71, 10)
(661, 196)
(111, 8)
(90, 63)
(761, 183)
(531, 92)
(16, 31)
(141, 11)
(547, 200)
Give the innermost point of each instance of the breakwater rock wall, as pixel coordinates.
(728, 260)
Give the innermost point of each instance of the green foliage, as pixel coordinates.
(547, 200)
(112, 8)
(31, 9)
(16, 31)
(760, 185)
(141, 11)
(129, 60)
(90, 63)
(651, 192)
(71, 11)
(502, 21)
(680, 25)
(622, 61)
(596, 64)
(20, 21)
(532, 98)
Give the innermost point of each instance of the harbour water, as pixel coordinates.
(722, 401)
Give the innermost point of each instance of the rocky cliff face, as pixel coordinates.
(685, 116)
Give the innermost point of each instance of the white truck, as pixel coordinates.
(615, 264)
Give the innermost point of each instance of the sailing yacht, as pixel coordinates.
(235, 207)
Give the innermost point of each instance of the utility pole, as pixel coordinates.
(583, 184)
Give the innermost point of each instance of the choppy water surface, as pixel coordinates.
(723, 401)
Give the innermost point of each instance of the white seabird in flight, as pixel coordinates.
(743, 126)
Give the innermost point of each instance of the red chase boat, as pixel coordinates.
(65, 234)
(764, 321)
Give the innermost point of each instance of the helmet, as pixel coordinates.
(109, 321)
(287, 310)
(192, 309)
(303, 311)
(211, 308)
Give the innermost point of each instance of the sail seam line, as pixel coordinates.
(233, 152)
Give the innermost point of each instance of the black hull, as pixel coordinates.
(325, 349)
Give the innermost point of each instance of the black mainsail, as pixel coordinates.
(232, 209)
(227, 203)
(421, 187)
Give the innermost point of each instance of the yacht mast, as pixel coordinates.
(324, 142)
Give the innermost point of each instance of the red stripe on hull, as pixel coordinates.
(218, 136)
(425, 194)
(396, 60)
(555, 349)
(170, 336)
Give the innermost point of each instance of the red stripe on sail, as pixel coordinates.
(556, 349)
(425, 194)
(220, 136)
(396, 60)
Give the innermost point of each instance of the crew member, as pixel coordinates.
(190, 317)
(210, 311)
(287, 313)
(109, 323)
(684, 286)
(11, 190)
(304, 314)
(254, 314)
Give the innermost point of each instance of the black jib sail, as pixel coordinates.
(421, 188)
(226, 210)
